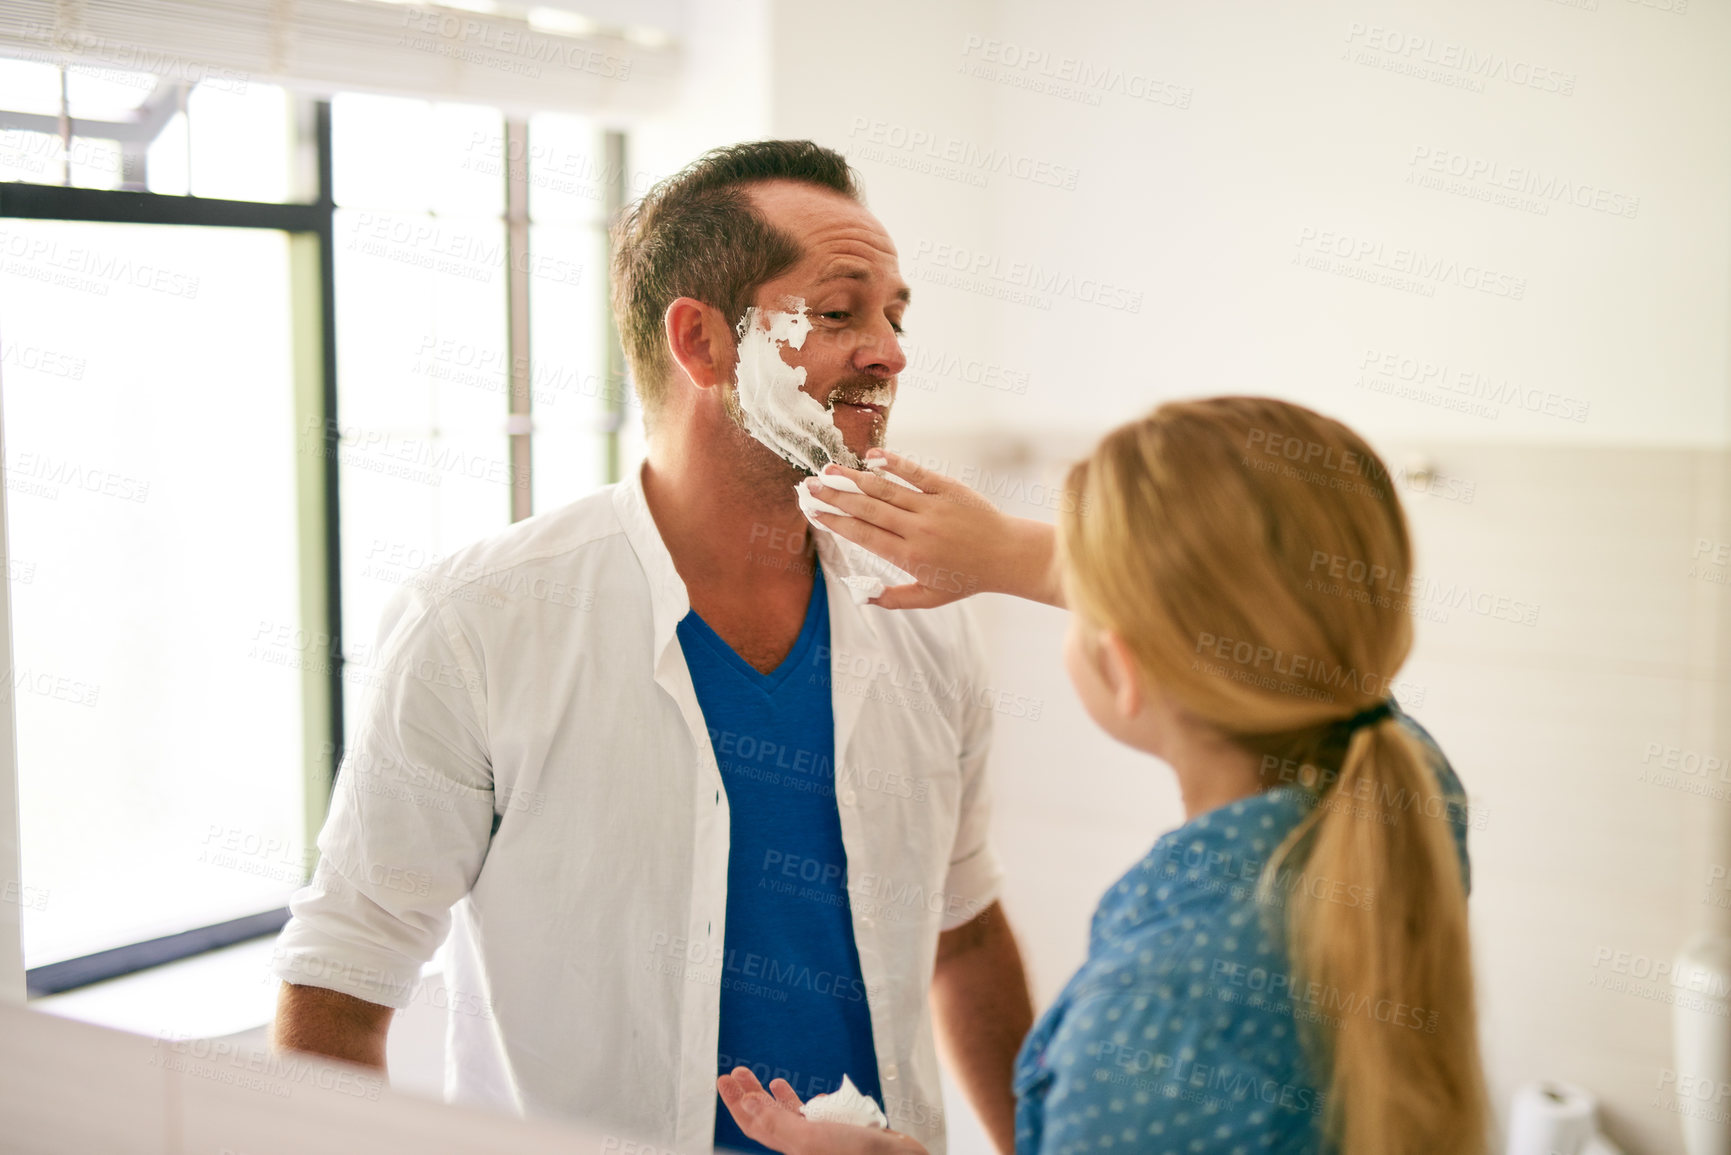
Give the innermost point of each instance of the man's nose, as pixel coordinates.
(880, 352)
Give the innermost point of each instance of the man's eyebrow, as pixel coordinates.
(856, 273)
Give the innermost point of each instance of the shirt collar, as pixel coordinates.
(669, 599)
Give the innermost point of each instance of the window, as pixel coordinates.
(152, 485)
(212, 474)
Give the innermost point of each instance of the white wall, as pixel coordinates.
(11, 869)
(1266, 121)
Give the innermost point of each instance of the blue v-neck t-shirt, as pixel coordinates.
(793, 1002)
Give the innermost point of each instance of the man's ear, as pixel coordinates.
(702, 341)
(1123, 677)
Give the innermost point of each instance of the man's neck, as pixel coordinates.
(729, 518)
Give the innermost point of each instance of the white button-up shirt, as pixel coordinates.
(533, 775)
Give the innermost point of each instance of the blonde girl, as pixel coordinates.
(1288, 971)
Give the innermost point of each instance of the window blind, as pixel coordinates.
(326, 46)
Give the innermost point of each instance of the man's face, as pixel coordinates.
(854, 296)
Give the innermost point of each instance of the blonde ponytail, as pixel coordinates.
(1250, 553)
(1395, 981)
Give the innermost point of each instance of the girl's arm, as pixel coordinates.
(951, 539)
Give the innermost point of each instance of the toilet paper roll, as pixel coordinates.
(1551, 1119)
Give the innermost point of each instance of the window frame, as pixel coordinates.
(316, 390)
(313, 220)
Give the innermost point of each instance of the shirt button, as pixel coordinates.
(848, 798)
(890, 1072)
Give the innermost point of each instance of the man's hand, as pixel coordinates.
(777, 1123)
(332, 1024)
(982, 1012)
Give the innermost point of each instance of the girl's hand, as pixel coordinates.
(951, 539)
(777, 1124)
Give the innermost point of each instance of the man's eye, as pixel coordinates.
(896, 326)
(836, 315)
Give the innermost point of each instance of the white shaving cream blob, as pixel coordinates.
(778, 413)
(845, 1105)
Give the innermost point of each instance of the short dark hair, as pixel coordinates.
(697, 234)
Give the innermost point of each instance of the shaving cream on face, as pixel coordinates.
(776, 411)
(791, 423)
(845, 1105)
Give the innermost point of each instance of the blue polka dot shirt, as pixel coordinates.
(1180, 1034)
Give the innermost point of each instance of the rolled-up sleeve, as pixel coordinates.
(975, 876)
(410, 817)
